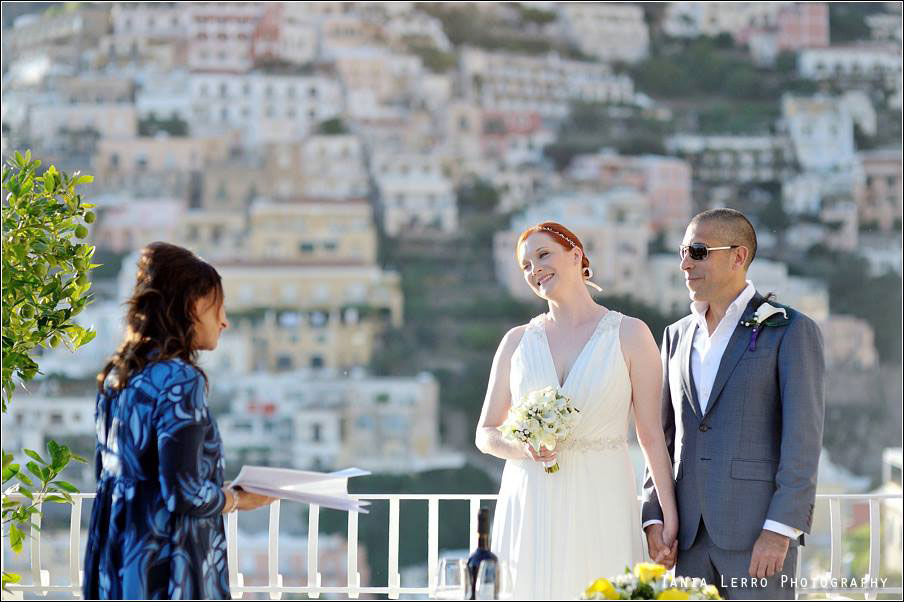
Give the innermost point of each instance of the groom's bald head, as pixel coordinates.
(732, 226)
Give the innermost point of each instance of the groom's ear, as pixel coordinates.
(742, 253)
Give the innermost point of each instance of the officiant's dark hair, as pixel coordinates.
(160, 314)
(738, 229)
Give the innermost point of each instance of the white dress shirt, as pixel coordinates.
(706, 356)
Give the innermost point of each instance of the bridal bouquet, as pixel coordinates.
(541, 418)
(650, 582)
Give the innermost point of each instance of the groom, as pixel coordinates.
(742, 410)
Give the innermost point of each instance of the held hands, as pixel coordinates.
(663, 551)
(769, 553)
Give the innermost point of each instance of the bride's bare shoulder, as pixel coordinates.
(511, 340)
(634, 332)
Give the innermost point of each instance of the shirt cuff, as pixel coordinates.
(789, 532)
(654, 521)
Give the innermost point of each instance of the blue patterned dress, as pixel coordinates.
(156, 527)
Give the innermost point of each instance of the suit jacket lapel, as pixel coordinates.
(737, 345)
(684, 356)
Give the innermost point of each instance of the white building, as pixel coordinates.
(415, 194)
(608, 31)
(735, 159)
(546, 84)
(286, 32)
(865, 61)
(155, 32)
(165, 95)
(613, 226)
(265, 108)
(290, 419)
(37, 417)
(48, 122)
(856, 65)
(693, 19)
(821, 131)
(333, 167)
(420, 27)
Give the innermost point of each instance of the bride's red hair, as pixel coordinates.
(567, 239)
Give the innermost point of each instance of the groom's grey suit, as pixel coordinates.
(752, 455)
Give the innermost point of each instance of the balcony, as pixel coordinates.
(40, 579)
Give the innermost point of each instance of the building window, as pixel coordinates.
(316, 362)
(306, 247)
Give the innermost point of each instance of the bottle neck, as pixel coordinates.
(483, 541)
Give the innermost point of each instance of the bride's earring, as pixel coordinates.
(588, 274)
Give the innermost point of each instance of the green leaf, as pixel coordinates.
(11, 578)
(34, 455)
(10, 471)
(7, 458)
(58, 499)
(36, 470)
(24, 478)
(83, 179)
(16, 536)
(66, 486)
(78, 458)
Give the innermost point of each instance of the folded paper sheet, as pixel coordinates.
(325, 489)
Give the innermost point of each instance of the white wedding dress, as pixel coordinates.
(560, 531)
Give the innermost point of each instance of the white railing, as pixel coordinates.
(40, 578)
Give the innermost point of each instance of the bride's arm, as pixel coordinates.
(497, 402)
(645, 368)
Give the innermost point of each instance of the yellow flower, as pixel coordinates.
(601, 586)
(647, 571)
(712, 591)
(673, 594)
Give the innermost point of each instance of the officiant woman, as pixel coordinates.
(156, 528)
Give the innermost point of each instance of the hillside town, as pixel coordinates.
(359, 172)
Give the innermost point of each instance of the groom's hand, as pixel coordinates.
(769, 553)
(659, 551)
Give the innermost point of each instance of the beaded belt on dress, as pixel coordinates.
(594, 444)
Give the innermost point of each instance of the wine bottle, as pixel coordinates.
(481, 554)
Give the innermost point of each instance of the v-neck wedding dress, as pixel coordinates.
(560, 531)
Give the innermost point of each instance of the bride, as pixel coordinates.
(560, 531)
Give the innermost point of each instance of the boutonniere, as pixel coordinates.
(760, 320)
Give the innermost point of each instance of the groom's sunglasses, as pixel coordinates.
(699, 251)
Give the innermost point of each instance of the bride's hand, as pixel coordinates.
(544, 455)
(670, 530)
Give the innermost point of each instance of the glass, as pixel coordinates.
(494, 581)
(451, 580)
(487, 585)
(699, 251)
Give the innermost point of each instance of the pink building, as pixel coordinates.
(879, 188)
(666, 181)
(220, 34)
(514, 136)
(803, 25)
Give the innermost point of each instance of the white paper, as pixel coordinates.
(326, 489)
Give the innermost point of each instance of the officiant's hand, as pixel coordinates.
(660, 552)
(544, 455)
(769, 553)
(244, 500)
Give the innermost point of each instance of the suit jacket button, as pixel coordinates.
(704, 428)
